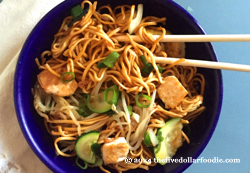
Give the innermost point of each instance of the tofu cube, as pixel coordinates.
(171, 92)
(115, 151)
(175, 49)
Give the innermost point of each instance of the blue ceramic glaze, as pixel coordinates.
(178, 22)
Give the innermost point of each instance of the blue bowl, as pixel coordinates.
(40, 39)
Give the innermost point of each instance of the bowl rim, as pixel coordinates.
(19, 111)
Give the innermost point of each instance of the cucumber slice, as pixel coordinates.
(98, 104)
(83, 146)
(171, 140)
(98, 162)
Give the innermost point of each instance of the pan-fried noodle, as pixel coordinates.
(78, 49)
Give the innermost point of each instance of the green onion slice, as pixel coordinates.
(79, 165)
(143, 105)
(76, 11)
(160, 68)
(115, 96)
(159, 136)
(148, 68)
(83, 109)
(96, 148)
(84, 96)
(101, 65)
(67, 73)
(130, 110)
(143, 59)
(109, 60)
(106, 94)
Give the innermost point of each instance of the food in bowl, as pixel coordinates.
(105, 100)
(40, 39)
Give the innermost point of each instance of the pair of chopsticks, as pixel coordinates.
(198, 38)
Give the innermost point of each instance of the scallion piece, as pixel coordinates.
(160, 68)
(109, 60)
(130, 110)
(159, 136)
(143, 59)
(148, 68)
(84, 96)
(79, 165)
(143, 105)
(96, 148)
(106, 94)
(76, 11)
(67, 73)
(83, 109)
(101, 65)
(115, 95)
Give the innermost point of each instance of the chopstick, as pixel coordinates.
(205, 64)
(192, 38)
(197, 38)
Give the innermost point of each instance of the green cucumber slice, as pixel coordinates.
(171, 140)
(98, 162)
(98, 104)
(83, 146)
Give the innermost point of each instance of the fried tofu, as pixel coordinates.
(53, 85)
(114, 151)
(175, 49)
(171, 92)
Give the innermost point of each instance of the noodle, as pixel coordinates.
(79, 48)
